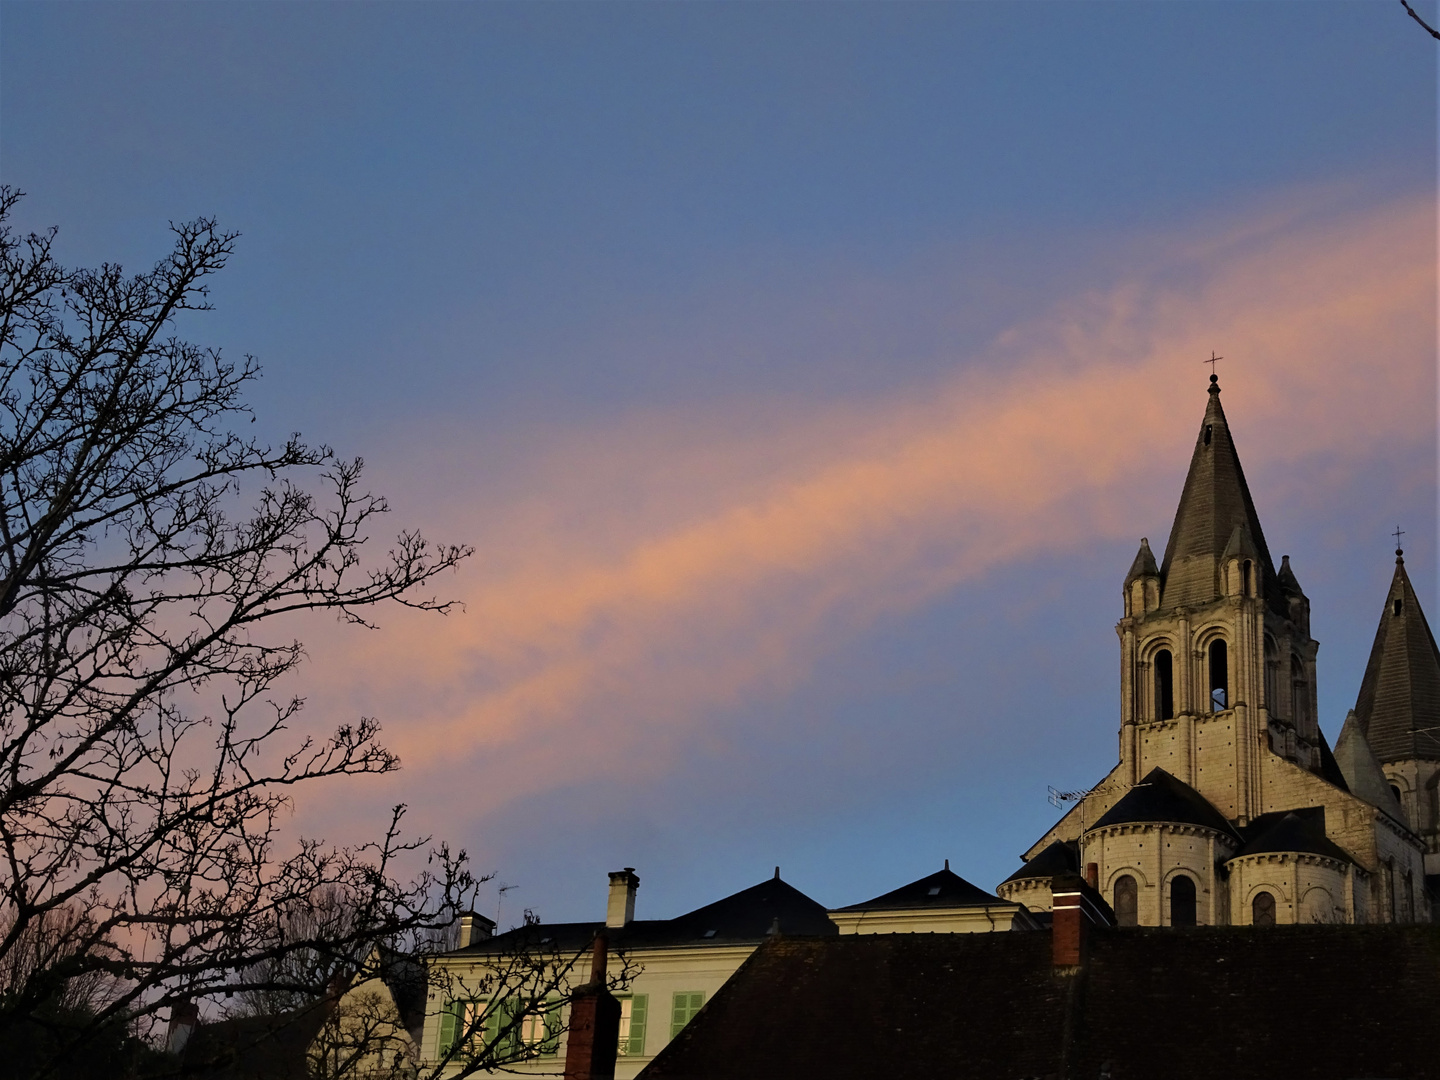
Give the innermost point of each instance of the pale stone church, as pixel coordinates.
(1227, 806)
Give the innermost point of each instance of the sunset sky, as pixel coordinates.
(804, 375)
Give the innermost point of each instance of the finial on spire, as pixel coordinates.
(1214, 379)
(1399, 551)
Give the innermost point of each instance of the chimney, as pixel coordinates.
(594, 1038)
(621, 909)
(1075, 907)
(473, 927)
(184, 1016)
(1092, 875)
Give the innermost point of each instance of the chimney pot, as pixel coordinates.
(620, 911)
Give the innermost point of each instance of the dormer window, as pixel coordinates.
(934, 890)
(1399, 605)
(1208, 430)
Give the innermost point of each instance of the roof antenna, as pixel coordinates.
(1399, 551)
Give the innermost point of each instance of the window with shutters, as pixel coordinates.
(1262, 910)
(683, 1006)
(1127, 901)
(632, 1023)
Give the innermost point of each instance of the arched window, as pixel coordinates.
(1219, 676)
(1182, 901)
(1164, 686)
(1262, 910)
(1300, 693)
(1245, 578)
(1395, 789)
(1127, 896)
(1432, 798)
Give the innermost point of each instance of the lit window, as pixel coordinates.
(632, 1023)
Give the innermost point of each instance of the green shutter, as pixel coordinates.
(447, 1026)
(638, 1005)
(551, 1046)
(683, 1006)
(493, 1011)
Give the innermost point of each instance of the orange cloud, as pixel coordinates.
(637, 576)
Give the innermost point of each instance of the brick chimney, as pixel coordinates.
(621, 909)
(594, 1037)
(473, 927)
(1075, 907)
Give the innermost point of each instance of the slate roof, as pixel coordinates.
(1400, 693)
(1362, 772)
(746, 917)
(1292, 832)
(1214, 503)
(1061, 857)
(942, 889)
(1160, 797)
(1147, 1002)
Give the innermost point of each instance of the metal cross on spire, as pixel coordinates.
(1399, 532)
(1211, 362)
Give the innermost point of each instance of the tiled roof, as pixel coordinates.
(942, 889)
(1159, 798)
(1399, 703)
(747, 916)
(1213, 505)
(1358, 1001)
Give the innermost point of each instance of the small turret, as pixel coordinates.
(1142, 583)
(1296, 602)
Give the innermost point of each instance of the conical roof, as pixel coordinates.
(1061, 857)
(1214, 504)
(1144, 564)
(1293, 833)
(1164, 799)
(1362, 772)
(1399, 703)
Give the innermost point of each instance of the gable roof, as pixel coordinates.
(1399, 703)
(1161, 798)
(1214, 504)
(1292, 832)
(745, 917)
(942, 889)
(1061, 857)
(990, 1007)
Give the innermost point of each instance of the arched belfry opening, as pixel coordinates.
(1164, 685)
(1219, 668)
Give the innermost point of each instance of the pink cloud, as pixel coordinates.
(638, 575)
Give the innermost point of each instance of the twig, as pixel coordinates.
(1433, 32)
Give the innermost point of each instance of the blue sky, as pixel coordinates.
(610, 290)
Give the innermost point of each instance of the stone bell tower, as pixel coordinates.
(1217, 661)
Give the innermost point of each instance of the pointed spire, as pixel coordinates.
(1289, 584)
(1363, 775)
(1216, 500)
(1399, 703)
(1144, 564)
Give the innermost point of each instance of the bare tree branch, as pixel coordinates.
(146, 756)
(1429, 29)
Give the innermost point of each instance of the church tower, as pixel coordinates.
(1398, 710)
(1227, 806)
(1217, 660)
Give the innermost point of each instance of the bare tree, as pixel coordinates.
(147, 552)
(1429, 29)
